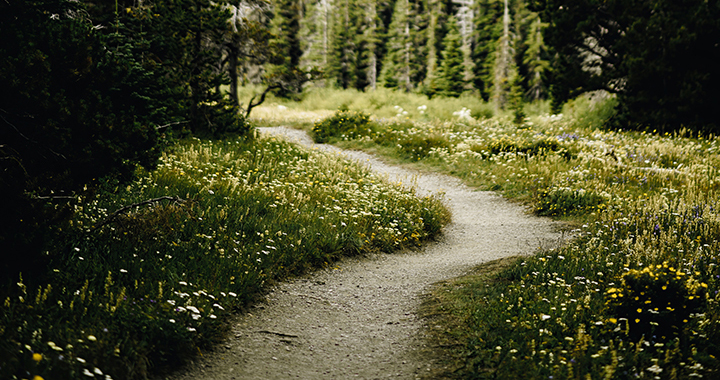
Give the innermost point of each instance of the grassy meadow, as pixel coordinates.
(633, 296)
(130, 293)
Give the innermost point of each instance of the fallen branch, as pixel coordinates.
(123, 209)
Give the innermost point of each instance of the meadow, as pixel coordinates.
(147, 274)
(633, 296)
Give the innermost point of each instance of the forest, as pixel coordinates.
(106, 103)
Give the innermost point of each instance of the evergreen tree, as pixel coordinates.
(659, 57)
(342, 64)
(285, 71)
(452, 74)
(396, 65)
(431, 82)
(535, 59)
(368, 44)
(488, 30)
(76, 106)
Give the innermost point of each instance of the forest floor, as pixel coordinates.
(360, 318)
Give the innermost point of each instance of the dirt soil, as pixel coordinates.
(360, 318)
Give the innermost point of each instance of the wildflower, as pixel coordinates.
(87, 373)
(81, 360)
(97, 371)
(544, 317)
(655, 369)
(182, 283)
(37, 357)
(191, 329)
(171, 320)
(37, 377)
(92, 338)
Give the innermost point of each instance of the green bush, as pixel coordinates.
(348, 124)
(656, 301)
(507, 144)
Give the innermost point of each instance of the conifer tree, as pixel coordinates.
(286, 47)
(452, 74)
(396, 65)
(368, 44)
(342, 60)
(488, 30)
(535, 59)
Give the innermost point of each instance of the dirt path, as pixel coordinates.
(358, 320)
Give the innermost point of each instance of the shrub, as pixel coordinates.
(350, 124)
(656, 301)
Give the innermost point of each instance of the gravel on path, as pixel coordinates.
(358, 319)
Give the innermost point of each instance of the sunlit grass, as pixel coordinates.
(149, 287)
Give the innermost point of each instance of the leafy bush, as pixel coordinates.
(507, 144)
(349, 124)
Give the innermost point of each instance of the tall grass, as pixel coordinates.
(134, 292)
(635, 295)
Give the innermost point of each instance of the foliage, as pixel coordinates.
(137, 293)
(344, 124)
(675, 295)
(72, 111)
(625, 47)
(451, 71)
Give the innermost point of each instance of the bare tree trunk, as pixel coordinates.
(408, 44)
(502, 64)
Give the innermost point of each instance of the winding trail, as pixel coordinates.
(358, 319)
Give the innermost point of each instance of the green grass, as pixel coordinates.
(634, 295)
(137, 293)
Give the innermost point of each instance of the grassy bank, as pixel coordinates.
(635, 295)
(131, 292)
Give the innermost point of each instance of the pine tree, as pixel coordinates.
(488, 30)
(342, 60)
(396, 65)
(368, 44)
(286, 47)
(452, 73)
(535, 59)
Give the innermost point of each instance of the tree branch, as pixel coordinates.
(170, 124)
(262, 98)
